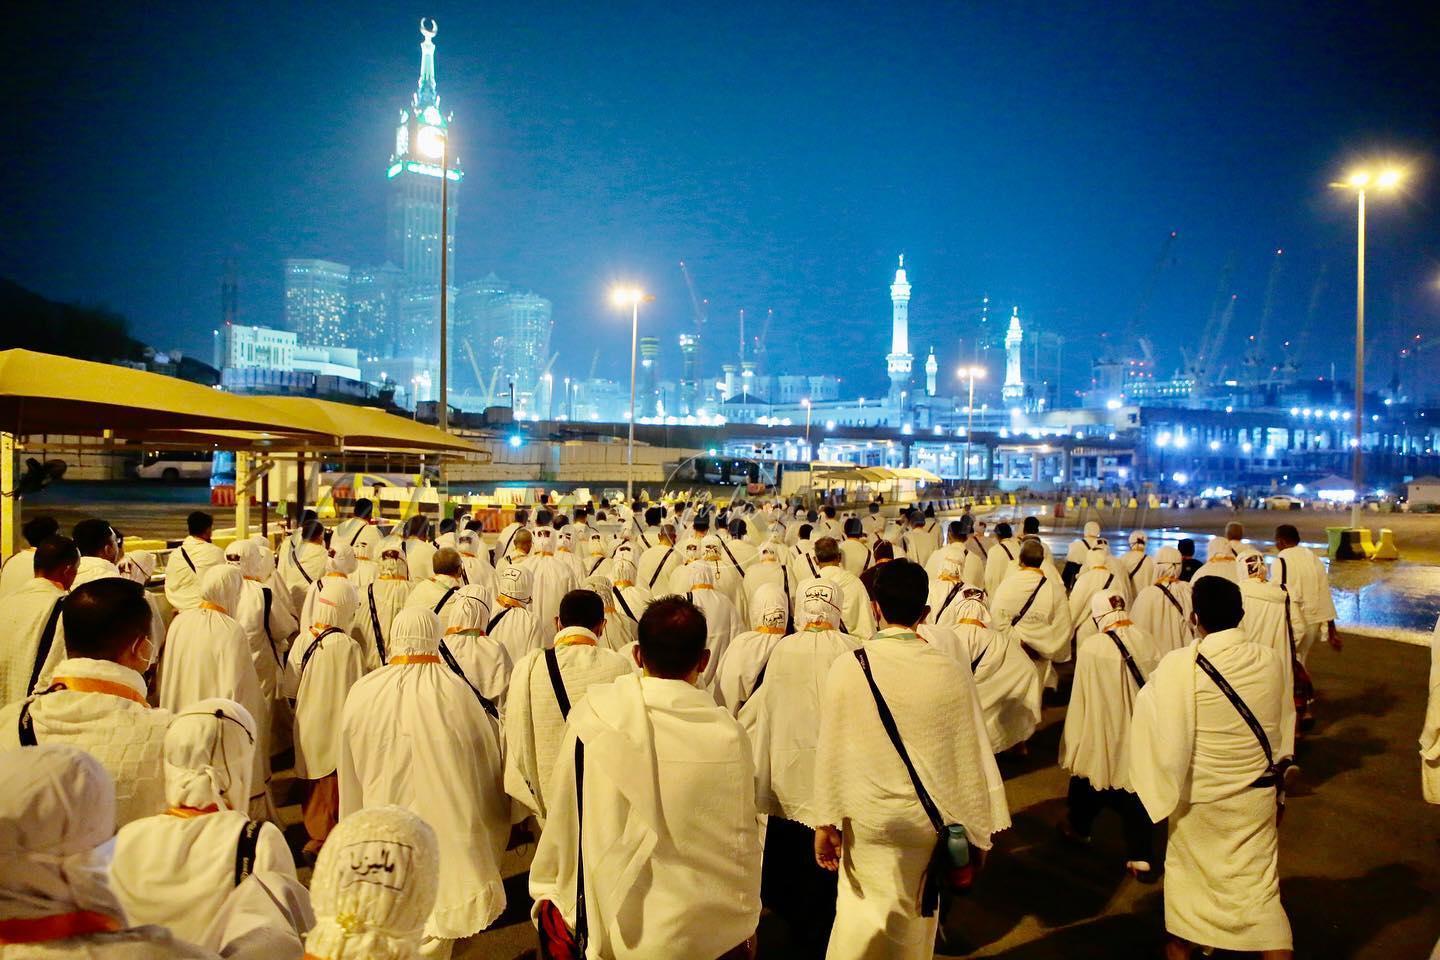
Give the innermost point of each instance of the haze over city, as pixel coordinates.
(1039, 156)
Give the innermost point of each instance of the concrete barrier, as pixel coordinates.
(1367, 543)
(1344, 543)
(1386, 549)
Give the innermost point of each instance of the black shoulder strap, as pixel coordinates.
(975, 664)
(485, 702)
(1028, 603)
(1171, 597)
(1240, 706)
(1129, 660)
(948, 597)
(358, 530)
(620, 599)
(1010, 556)
(660, 566)
(315, 645)
(444, 599)
(375, 623)
(888, 721)
(245, 849)
(557, 683)
(1284, 571)
(726, 547)
(191, 563)
(295, 559)
(25, 731)
(810, 559)
(1108, 580)
(495, 620)
(47, 641)
(582, 920)
(267, 604)
(1135, 569)
(596, 566)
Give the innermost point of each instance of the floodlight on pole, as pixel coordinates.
(1362, 181)
(631, 297)
(970, 374)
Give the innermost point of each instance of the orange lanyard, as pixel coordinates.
(415, 658)
(189, 813)
(56, 927)
(88, 685)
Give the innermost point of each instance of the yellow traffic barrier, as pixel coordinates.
(1133, 504)
(1367, 542)
(1386, 550)
(1069, 503)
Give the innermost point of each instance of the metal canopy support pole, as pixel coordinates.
(9, 500)
(299, 487)
(242, 494)
(265, 506)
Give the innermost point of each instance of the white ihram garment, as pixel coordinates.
(672, 836)
(1272, 619)
(183, 570)
(722, 622)
(999, 561)
(17, 572)
(748, 652)
(448, 771)
(1430, 732)
(1163, 611)
(320, 683)
(551, 579)
(1005, 678)
(299, 566)
(122, 732)
(533, 724)
(1096, 740)
(855, 611)
(22, 622)
(1303, 573)
(862, 787)
(483, 660)
(1044, 628)
(1194, 759)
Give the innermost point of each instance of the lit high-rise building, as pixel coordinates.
(689, 374)
(413, 215)
(375, 309)
(1014, 390)
(316, 302)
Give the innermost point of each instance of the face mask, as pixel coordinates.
(148, 657)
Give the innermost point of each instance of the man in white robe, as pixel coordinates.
(1000, 559)
(631, 599)
(722, 620)
(476, 560)
(1163, 609)
(872, 827)
(340, 563)
(1303, 574)
(782, 719)
(565, 551)
(1272, 619)
(1033, 608)
(918, 540)
(1005, 679)
(207, 655)
(437, 591)
(671, 832)
(855, 616)
(655, 565)
(550, 579)
(745, 657)
(1196, 760)
(855, 548)
(1111, 665)
(1430, 731)
(57, 818)
(325, 662)
(374, 887)
(534, 724)
(1139, 568)
(302, 563)
(469, 652)
(450, 773)
(1080, 549)
(188, 562)
(175, 869)
(360, 535)
(96, 700)
(268, 627)
(1096, 578)
(32, 637)
(945, 589)
(769, 569)
(379, 602)
(20, 569)
(1219, 562)
(99, 550)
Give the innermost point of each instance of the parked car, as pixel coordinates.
(173, 466)
(1283, 502)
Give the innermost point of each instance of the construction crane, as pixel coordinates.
(594, 364)
(1136, 328)
(764, 336)
(474, 364)
(1198, 364)
(699, 306)
(1255, 352)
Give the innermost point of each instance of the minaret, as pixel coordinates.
(899, 360)
(1014, 390)
(932, 367)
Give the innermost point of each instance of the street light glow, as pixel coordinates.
(1358, 179)
(626, 296)
(431, 141)
(970, 373)
(1389, 180)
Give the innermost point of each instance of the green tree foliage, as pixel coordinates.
(32, 322)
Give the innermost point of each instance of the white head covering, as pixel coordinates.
(1098, 558)
(392, 564)
(597, 543)
(691, 552)
(953, 569)
(245, 555)
(1168, 562)
(138, 565)
(56, 812)
(1254, 562)
(1219, 547)
(414, 631)
(221, 586)
(467, 542)
(209, 752)
(515, 583)
(770, 609)
(820, 603)
(544, 539)
(602, 586)
(1138, 539)
(342, 560)
(972, 606)
(335, 604)
(622, 570)
(711, 547)
(701, 573)
(468, 611)
(374, 886)
(1092, 529)
(565, 539)
(267, 553)
(1106, 607)
(770, 552)
(625, 550)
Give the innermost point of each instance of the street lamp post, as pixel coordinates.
(632, 296)
(1362, 181)
(809, 457)
(970, 374)
(434, 141)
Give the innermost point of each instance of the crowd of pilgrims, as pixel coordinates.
(690, 712)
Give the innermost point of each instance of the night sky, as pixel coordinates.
(1037, 153)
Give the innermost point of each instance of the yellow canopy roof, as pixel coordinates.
(43, 393)
(368, 428)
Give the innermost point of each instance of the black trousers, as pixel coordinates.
(1084, 803)
(796, 888)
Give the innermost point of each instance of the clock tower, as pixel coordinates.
(422, 145)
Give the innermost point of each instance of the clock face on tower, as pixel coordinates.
(430, 141)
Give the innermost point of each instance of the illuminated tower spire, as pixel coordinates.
(932, 368)
(1014, 390)
(425, 95)
(899, 360)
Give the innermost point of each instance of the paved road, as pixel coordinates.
(1360, 851)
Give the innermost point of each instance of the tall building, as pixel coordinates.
(422, 137)
(899, 361)
(375, 309)
(932, 370)
(647, 404)
(316, 301)
(689, 374)
(1013, 392)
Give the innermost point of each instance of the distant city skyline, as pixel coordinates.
(785, 158)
